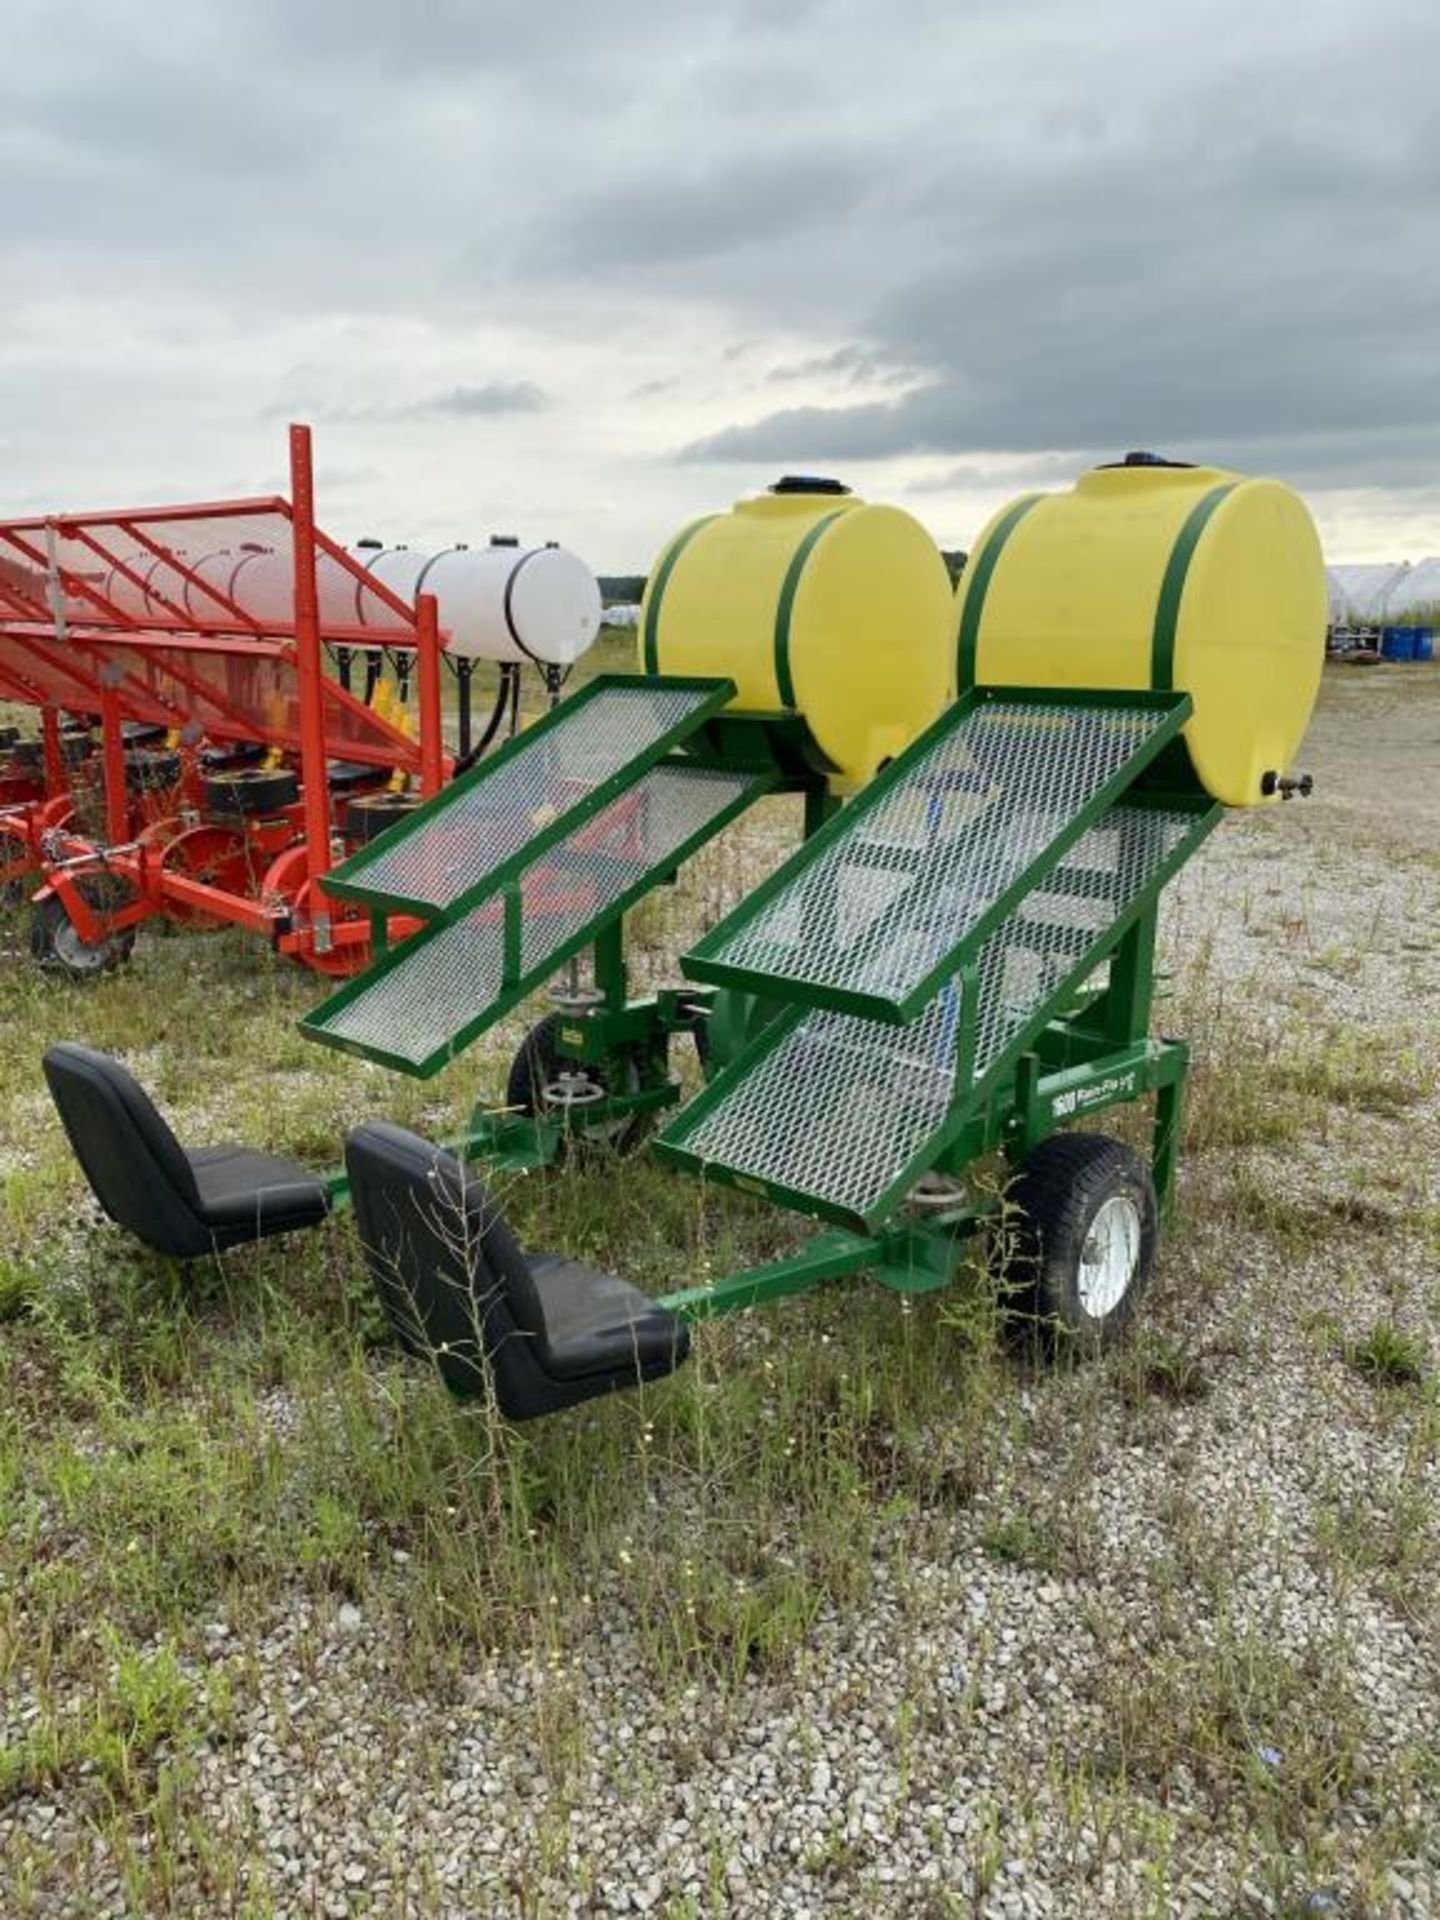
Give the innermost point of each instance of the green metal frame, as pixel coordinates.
(918, 1255)
(703, 962)
(1083, 1050)
(969, 1120)
(603, 930)
(347, 881)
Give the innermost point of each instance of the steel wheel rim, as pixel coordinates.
(75, 954)
(1110, 1257)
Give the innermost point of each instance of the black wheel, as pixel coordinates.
(252, 793)
(1082, 1239)
(543, 1079)
(55, 940)
(369, 814)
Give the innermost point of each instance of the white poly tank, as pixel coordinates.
(132, 596)
(501, 602)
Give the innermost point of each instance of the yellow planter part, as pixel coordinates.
(1147, 575)
(812, 602)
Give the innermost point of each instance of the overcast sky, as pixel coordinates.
(578, 272)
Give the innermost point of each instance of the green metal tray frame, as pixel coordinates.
(702, 963)
(347, 881)
(919, 1255)
(517, 983)
(971, 1097)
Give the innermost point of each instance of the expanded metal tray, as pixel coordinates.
(838, 1115)
(529, 795)
(433, 995)
(910, 879)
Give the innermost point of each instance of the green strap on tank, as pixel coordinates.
(657, 592)
(978, 585)
(1172, 587)
(784, 682)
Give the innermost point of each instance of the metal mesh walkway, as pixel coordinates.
(435, 994)
(552, 777)
(839, 1114)
(874, 913)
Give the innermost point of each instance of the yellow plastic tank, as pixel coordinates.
(812, 602)
(1152, 574)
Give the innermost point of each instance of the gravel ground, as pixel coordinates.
(1018, 1716)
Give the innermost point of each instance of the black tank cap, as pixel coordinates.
(1142, 459)
(807, 483)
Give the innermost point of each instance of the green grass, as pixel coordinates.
(1390, 1355)
(192, 1468)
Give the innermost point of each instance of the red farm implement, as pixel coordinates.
(197, 757)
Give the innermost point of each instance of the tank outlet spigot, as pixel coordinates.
(1289, 786)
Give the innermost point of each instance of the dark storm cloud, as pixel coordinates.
(1007, 230)
(1224, 280)
(708, 211)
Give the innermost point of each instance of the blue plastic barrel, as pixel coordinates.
(1424, 648)
(1397, 643)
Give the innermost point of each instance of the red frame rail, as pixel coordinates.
(121, 614)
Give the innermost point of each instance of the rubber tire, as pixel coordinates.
(252, 793)
(369, 815)
(1060, 1190)
(538, 1061)
(58, 954)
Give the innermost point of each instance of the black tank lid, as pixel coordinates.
(1143, 459)
(807, 483)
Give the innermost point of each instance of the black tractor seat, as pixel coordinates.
(461, 1293)
(182, 1203)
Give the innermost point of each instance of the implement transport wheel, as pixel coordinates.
(1085, 1228)
(252, 793)
(544, 1081)
(55, 940)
